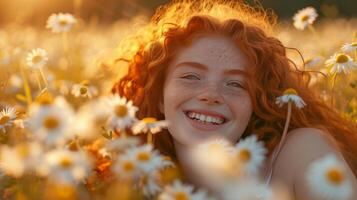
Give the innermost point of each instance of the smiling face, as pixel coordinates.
(205, 92)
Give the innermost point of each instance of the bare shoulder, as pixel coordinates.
(302, 147)
(309, 143)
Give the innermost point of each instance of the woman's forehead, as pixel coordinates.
(212, 50)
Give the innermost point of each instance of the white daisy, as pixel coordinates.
(10, 162)
(122, 114)
(67, 167)
(250, 154)
(7, 117)
(126, 167)
(340, 62)
(61, 22)
(218, 164)
(51, 123)
(327, 179)
(149, 184)
(349, 47)
(21, 158)
(304, 17)
(149, 124)
(181, 191)
(177, 190)
(37, 58)
(84, 90)
(290, 95)
(90, 119)
(121, 143)
(148, 160)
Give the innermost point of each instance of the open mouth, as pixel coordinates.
(204, 120)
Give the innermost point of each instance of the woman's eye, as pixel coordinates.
(235, 84)
(191, 77)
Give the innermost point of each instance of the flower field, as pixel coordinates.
(64, 135)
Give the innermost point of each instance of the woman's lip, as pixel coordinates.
(206, 112)
(202, 125)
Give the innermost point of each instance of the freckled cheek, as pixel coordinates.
(179, 90)
(241, 107)
(176, 94)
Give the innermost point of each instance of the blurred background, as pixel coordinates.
(35, 12)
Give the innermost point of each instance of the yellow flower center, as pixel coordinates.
(66, 162)
(36, 59)
(143, 156)
(244, 155)
(304, 18)
(51, 122)
(128, 166)
(121, 111)
(290, 91)
(149, 120)
(335, 176)
(341, 58)
(63, 22)
(83, 90)
(4, 119)
(181, 196)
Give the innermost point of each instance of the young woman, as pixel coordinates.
(217, 61)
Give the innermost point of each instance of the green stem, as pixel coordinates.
(27, 88)
(149, 137)
(38, 82)
(43, 77)
(313, 30)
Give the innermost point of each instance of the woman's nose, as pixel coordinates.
(210, 95)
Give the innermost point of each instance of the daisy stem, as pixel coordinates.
(312, 29)
(38, 82)
(26, 87)
(283, 137)
(149, 138)
(43, 77)
(333, 88)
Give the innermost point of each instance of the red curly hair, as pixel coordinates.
(175, 25)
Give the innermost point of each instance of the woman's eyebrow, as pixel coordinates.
(193, 64)
(235, 72)
(205, 68)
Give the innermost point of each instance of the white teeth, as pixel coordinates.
(205, 118)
